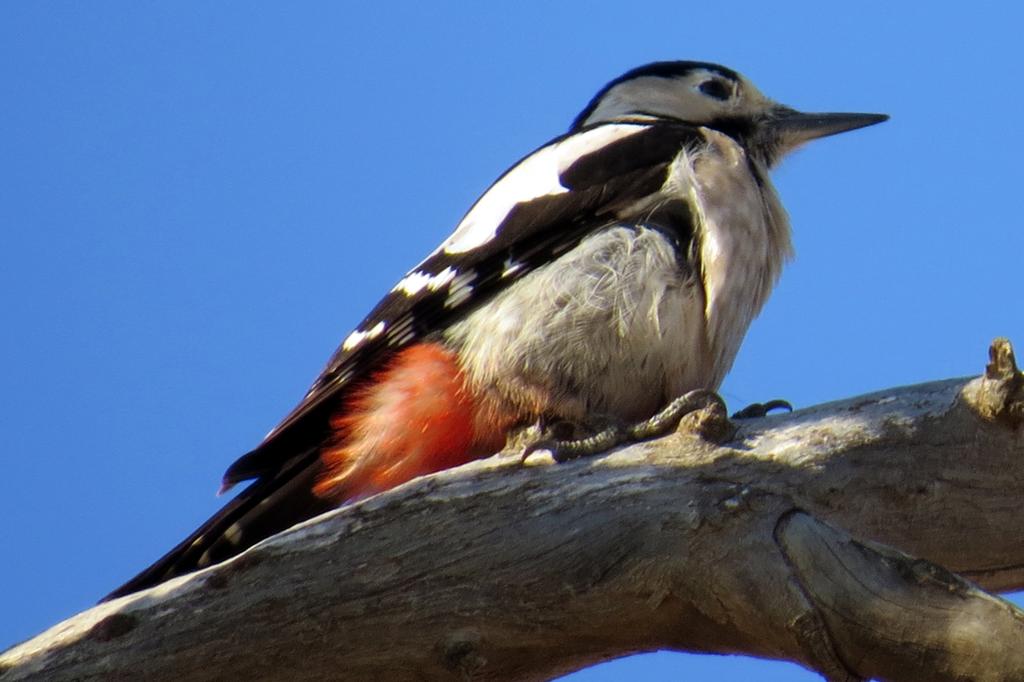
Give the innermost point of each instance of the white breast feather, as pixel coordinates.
(744, 240)
(616, 315)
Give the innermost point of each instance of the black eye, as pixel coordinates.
(715, 88)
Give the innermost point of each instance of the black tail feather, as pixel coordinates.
(268, 506)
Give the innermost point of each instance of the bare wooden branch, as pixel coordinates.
(776, 543)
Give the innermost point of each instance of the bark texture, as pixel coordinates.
(775, 539)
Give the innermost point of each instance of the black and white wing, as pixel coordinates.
(541, 207)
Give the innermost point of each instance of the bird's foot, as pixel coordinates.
(563, 449)
(755, 410)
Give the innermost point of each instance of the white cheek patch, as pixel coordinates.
(535, 176)
(358, 337)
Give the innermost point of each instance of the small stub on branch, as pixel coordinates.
(1001, 362)
(998, 396)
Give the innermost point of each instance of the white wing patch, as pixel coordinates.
(535, 176)
(358, 336)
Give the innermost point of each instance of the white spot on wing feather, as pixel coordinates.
(417, 280)
(358, 336)
(413, 283)
(460, 290)
(442, 278)
(401, 333)
(511, 267)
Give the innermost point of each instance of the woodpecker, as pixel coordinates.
(612, 270)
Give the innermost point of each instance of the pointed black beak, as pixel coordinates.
(792, 128)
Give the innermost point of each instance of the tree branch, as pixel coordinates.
(768, 544)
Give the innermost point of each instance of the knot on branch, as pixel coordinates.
(460, 652)
(893, 616)
(998, 396)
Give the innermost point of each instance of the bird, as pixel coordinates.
(602, 277)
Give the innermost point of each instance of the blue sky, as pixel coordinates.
(199, 200)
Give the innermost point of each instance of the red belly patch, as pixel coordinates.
(415, 417)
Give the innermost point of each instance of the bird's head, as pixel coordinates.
(704, 94)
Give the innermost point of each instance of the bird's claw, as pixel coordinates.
(565, 450)
(616, 434)
(755, 410)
